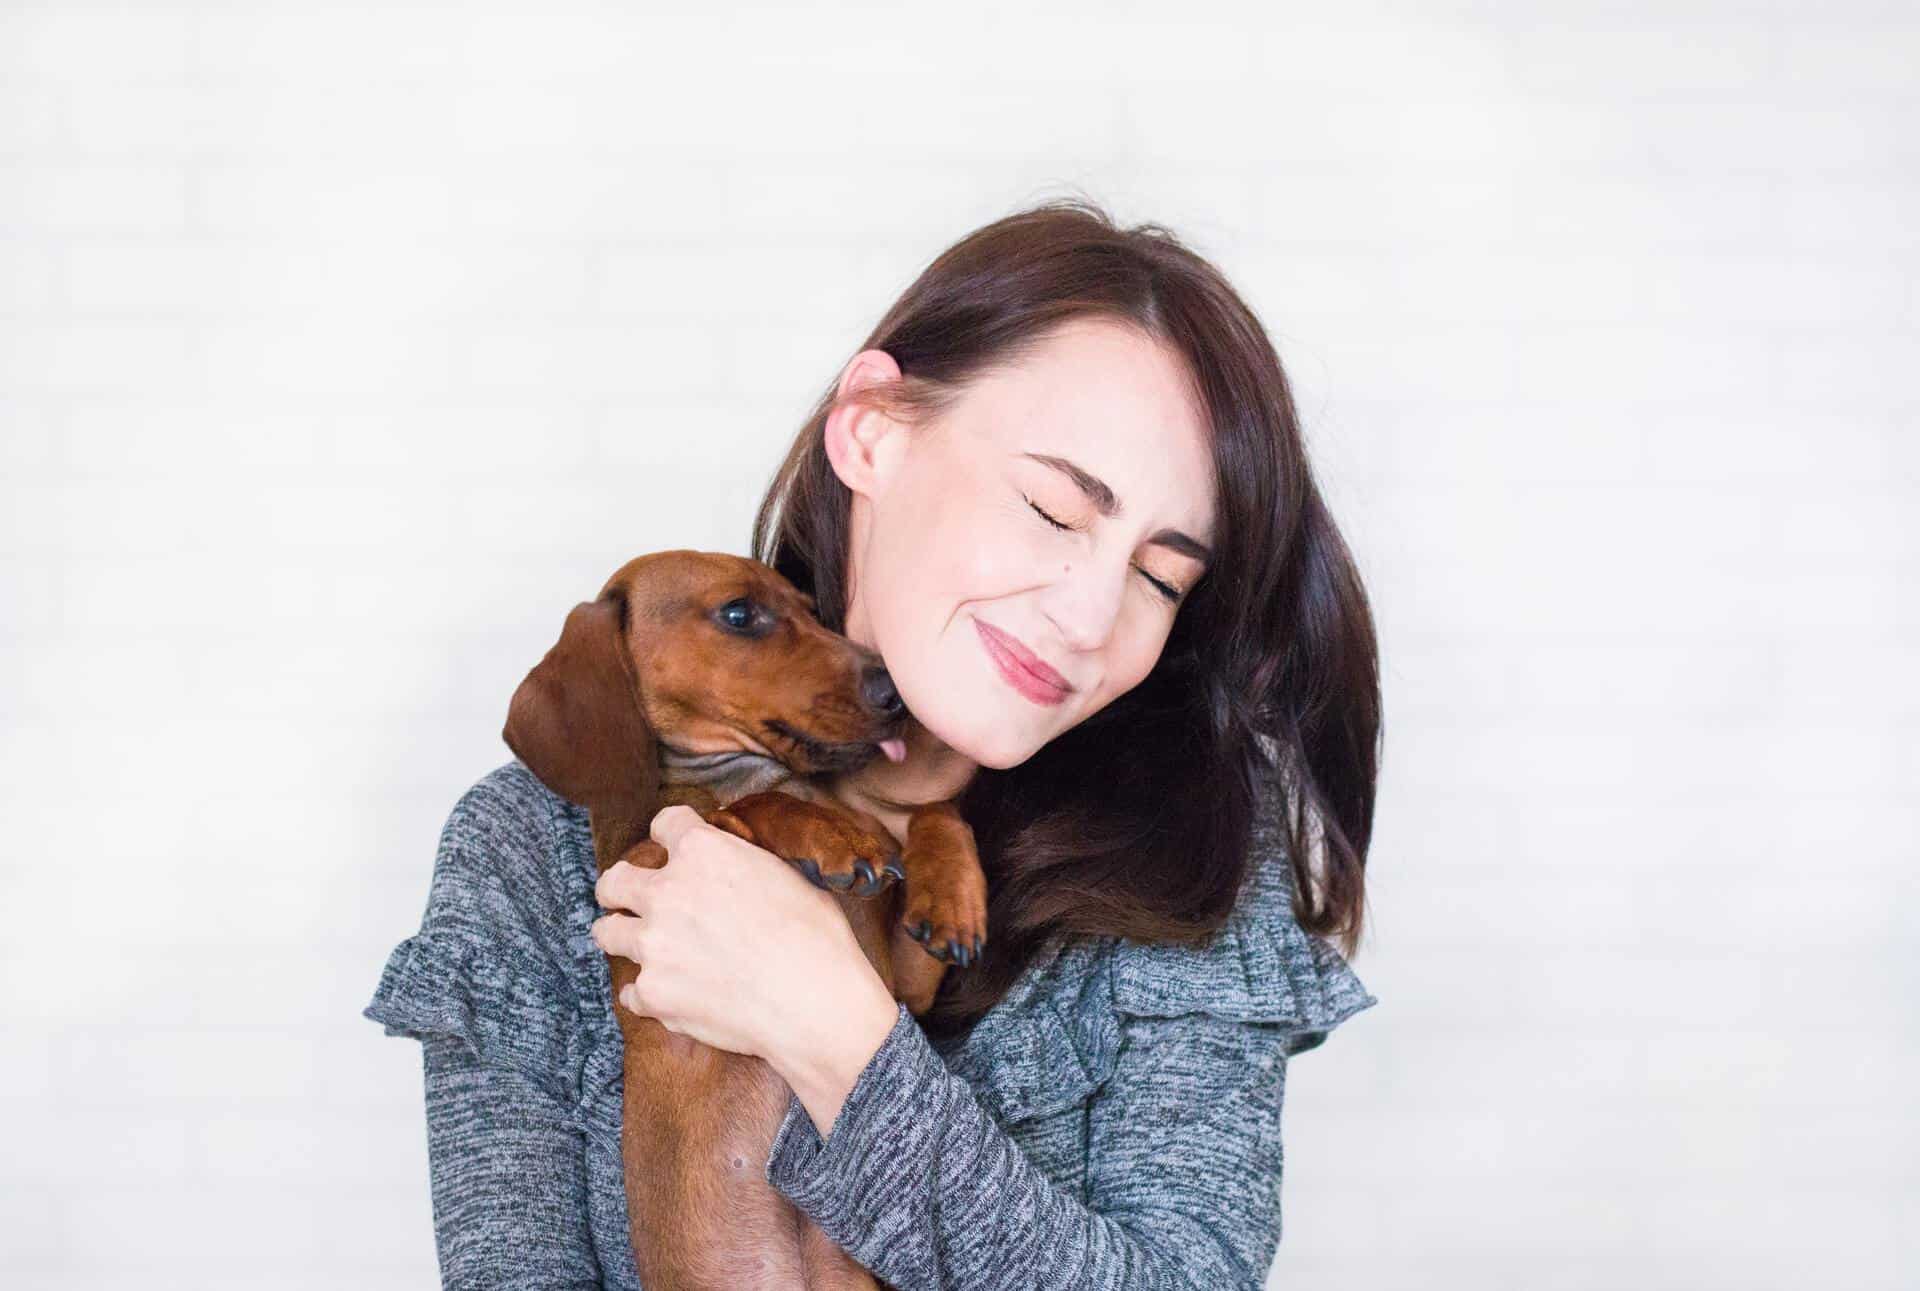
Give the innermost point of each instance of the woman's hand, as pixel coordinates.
(738, 951)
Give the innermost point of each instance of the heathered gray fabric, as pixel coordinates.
(1113, 1122)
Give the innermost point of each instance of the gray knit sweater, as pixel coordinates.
(1114, 1121)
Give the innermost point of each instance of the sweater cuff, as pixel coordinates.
(887, 1122)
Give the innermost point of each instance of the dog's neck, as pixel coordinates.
(722, 777)
(729, 775)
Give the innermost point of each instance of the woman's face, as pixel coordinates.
(1057, 512)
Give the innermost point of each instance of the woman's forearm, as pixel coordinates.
(925, 1190)
(823, 1052)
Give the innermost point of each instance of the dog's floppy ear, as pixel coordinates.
(576, 720)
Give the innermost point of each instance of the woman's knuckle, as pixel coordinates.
(615, 885)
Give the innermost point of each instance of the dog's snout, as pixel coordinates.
(876, 687)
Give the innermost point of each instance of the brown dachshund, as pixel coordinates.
(703, 678)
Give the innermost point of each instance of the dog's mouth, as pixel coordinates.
(810, 756)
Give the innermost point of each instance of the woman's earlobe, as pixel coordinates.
(855, 435)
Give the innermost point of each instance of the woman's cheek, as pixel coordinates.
(997, 555)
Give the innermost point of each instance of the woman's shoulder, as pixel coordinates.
(1262, 966)
(1057, 1033)
(510, 808)
(507, 905)
(504, 868)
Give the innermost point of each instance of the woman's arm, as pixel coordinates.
(508, 1175)
(477, 986)
(921, 1186)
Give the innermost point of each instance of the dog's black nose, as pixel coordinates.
(876, 687)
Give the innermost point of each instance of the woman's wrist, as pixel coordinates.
(822, 1062)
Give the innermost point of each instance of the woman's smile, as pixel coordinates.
(1024, 672)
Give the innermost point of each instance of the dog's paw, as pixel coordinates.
(846, 857)
(860, 878)
(948, 920)
(826, 844)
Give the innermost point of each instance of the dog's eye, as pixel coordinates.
(738, 614)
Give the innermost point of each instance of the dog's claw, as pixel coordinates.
(893, 867)
(867, 884)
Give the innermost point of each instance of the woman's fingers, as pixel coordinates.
(623, 886)
(669, 823)
(620, 934)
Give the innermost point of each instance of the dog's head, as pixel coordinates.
(704, 653)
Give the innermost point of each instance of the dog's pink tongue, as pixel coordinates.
(896, 750)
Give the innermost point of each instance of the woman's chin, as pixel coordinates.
(983, 732)
(993, 749)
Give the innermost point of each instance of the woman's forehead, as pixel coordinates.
(1111, 405)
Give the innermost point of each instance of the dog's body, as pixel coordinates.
(664, 691)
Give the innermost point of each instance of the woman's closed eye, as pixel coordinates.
(1172, 594)
(1049, 519)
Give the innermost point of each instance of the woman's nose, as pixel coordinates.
(1083, 606)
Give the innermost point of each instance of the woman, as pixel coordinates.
(1062, 491)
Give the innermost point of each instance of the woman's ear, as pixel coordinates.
(857, 433)
(576, 720)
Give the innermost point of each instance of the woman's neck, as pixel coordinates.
(931, 772)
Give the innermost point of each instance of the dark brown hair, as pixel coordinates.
(1137, 822)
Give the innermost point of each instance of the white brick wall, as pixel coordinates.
(343, 347)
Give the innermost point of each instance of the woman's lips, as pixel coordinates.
(1005, 653)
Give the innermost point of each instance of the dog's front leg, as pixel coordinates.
(825, 842)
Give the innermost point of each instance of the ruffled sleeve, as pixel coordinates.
(504, 1013)
(1262, 967)
(1186, 1141)
(503, 1046)
(483, 967)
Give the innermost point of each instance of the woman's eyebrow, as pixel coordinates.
(1107, 503)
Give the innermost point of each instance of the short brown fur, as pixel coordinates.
(633, 710)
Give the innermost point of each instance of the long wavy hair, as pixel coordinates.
(1138, 822)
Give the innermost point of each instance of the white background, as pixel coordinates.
(343, 348)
